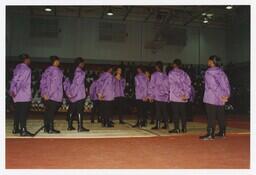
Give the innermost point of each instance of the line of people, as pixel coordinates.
(160, 88)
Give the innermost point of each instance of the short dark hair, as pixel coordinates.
(140, 67)
(177, 62)
(24, 56)
(108, 67)
(54, 58)
(216, 60)
(159, 64)
(78, 60)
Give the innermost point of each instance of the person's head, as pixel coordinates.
(213, 61)
(147, 72)
(55, 61)
(79, 62)
(108, 69)
(118, 70)
(25, 58)
(139, 69)
(159, 66)
(176, 63)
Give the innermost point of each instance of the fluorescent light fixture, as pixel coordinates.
(209, 15)
(205, 21)
(47, 9)
(229, 7)
(110, 13)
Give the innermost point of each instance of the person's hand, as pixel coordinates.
(151, 100)
(224, 99)
(13, 94)
(101, 97)
(145, 99)
(184, 98)
(46, 97)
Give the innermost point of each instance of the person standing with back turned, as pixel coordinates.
(158, 91)
(180, 90)
(52, 92)
(20, 91)
(75, 90)
(216, 94)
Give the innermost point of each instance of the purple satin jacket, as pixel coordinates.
(216, 86)
(92, 90)
(21, 84)
(159, 87)
(119, 86)
(141, 86)
(51, 84)
(180, 85)
(105, 86)
(76, 89)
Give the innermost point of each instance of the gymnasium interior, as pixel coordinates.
(130, 36)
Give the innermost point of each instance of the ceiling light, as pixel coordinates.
(205, 21)
(204, 14)
(209, 15)
(47, 9)
(110, 13)
(229, 7)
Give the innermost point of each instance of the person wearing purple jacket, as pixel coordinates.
(141, 94)
(52, 92)
(75, 91)
(180, 90)
(105, 93)
(119, 87)
(20, 91)
(216, 94)
(93, 96)
(158, 91)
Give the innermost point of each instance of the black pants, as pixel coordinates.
(215, 112)
(141, 108)
(76, 108)
(119, 107)
(161, 111)
(21, 114)
(179, 113)
(51, 107)
(107, 111)
(150, 110)
(190, 111)
(95, 110)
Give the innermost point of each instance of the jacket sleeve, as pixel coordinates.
(187, 86)
(210, 81)
(18, 78)
(66, 86)
(77, 80)
(224, 83)
(174, 86)
(52, 82)
(151, 87)
(43, 83)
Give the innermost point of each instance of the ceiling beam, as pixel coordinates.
(127, 13)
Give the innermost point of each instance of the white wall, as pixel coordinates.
(79, 37)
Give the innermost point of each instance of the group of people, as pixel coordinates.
(108, 89)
